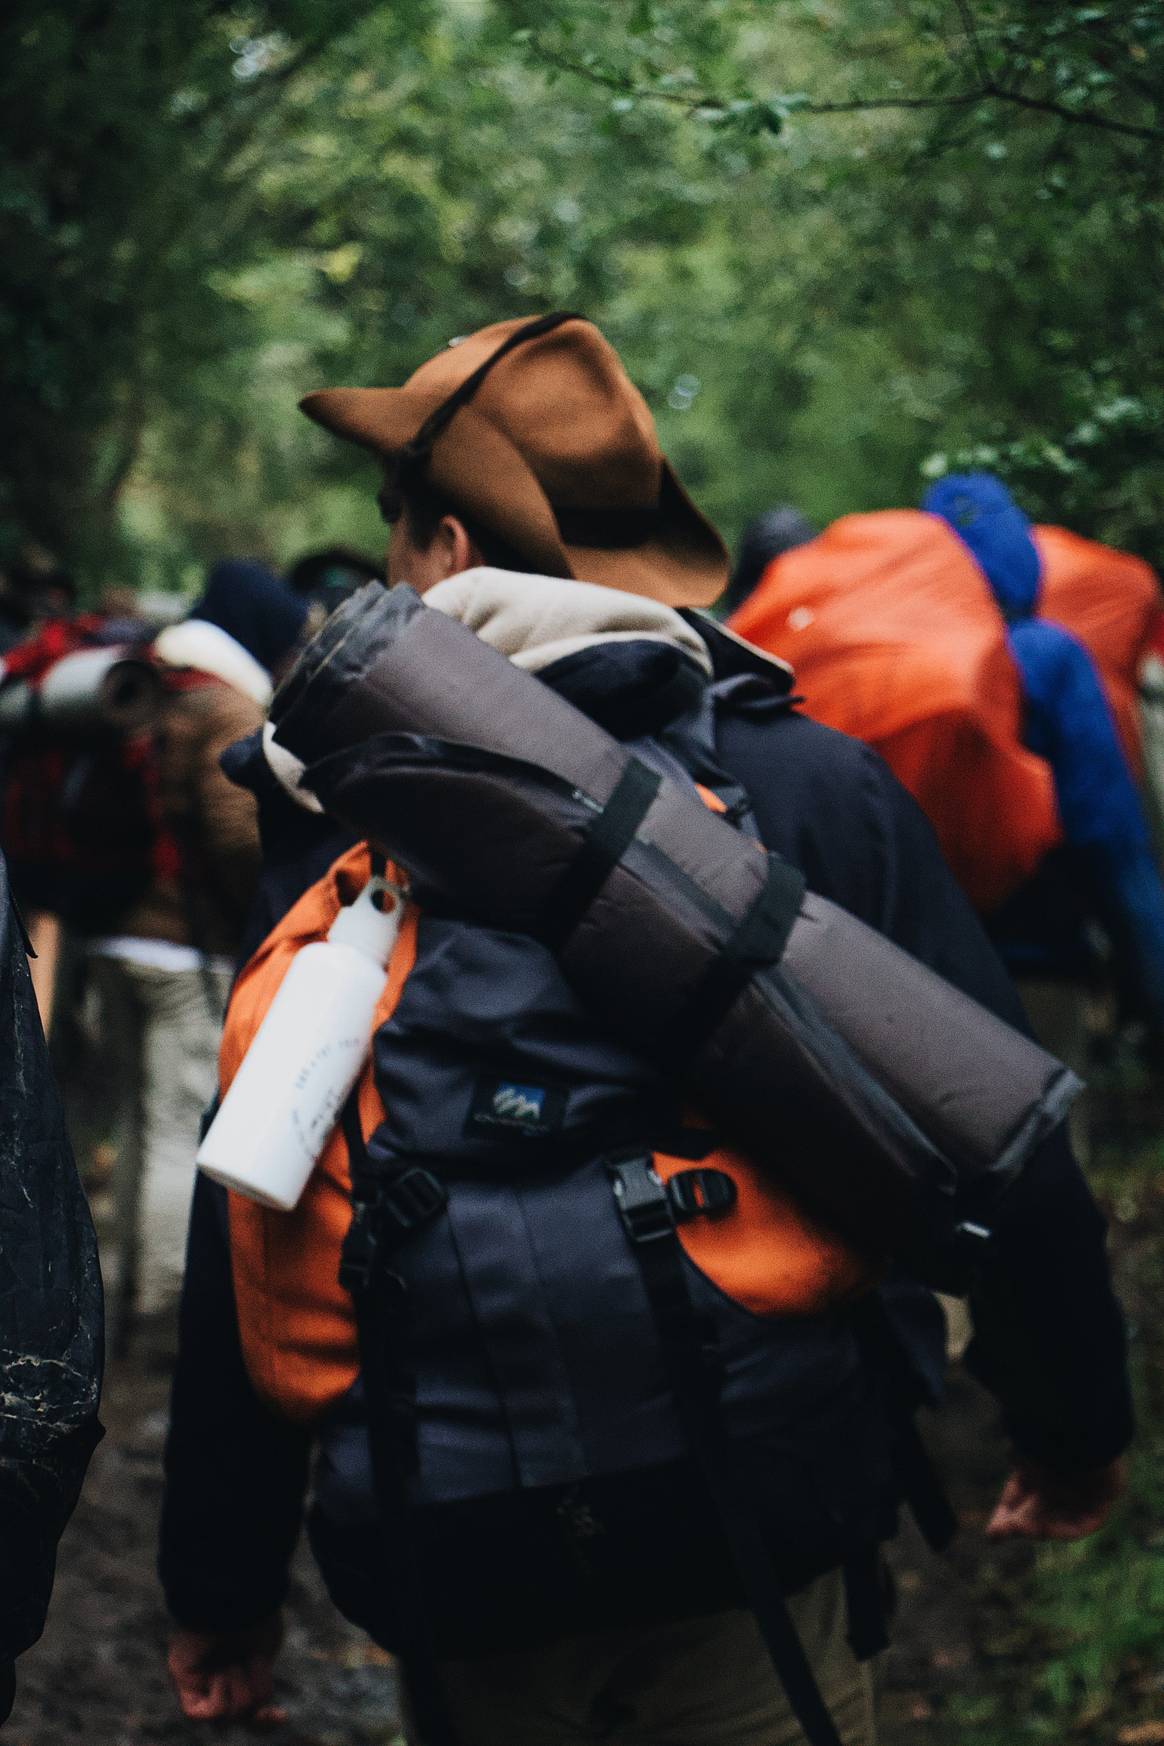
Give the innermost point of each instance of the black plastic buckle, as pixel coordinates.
(409, 1201)
(701, 1193)
(380, 1220)
(643, 1202)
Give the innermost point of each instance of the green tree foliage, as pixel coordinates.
(839, 244)
(127, 131)
(971, 202)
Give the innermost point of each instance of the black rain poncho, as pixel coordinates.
(51, 1328)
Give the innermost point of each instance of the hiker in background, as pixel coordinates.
(558, 1580)
(161, 970)
(18, 604)
(32, 595)
(994, 666)
(1105, 870)
(47, 731)
(767, 536)
(1151, 715)
(327, 577)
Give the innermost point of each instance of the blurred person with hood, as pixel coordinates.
(766, 537)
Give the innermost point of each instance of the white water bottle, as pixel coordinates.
(305, 1057)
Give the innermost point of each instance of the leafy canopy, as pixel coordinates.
(842, 246)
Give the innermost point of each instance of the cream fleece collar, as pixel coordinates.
(537, 620)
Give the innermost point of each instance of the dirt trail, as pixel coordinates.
(97, 1675)
(964, 1640)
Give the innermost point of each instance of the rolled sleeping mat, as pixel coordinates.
(104, 687)
(892, 1105)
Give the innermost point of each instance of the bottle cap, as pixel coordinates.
(365, 927)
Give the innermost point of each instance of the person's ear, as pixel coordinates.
(454, 547)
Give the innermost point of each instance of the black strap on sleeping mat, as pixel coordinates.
(381, 1300)
(605, 843)
(758, 941)
(694, 1375)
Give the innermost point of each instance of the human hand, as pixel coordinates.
(1040, 1503)
(227, 1676)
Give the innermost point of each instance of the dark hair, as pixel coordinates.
(424, 507)
(766, 536)
(31, 585)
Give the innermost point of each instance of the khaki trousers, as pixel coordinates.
(161, 1037)
(697, 1682)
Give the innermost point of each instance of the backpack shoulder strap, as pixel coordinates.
(694, 740)
(387, 1206)
(744, 679)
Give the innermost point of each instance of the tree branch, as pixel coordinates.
(987, 91)
(970, 32)
(1007, 94)
(1084, 117)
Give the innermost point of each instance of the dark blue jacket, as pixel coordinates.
(1049, 1341)
(1106, 868)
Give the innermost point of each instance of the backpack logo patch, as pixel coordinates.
(511, 1103)
(519, 1103)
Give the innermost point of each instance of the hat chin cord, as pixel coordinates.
(416, 452)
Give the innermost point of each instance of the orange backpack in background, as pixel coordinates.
(896, 639)
(1111, 601)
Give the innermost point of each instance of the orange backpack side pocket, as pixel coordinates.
(297, 1323)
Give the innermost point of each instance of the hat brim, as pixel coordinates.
(683, 561)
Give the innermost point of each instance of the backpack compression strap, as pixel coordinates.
(648, 1218)
(386, 1207)
(606, 842)
(756, 943)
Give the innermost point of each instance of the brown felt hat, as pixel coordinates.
(535, 431)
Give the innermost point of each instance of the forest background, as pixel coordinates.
(841, 244)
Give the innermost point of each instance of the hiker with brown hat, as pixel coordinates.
(493, 1498)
